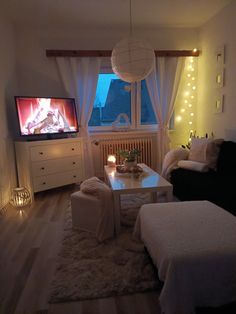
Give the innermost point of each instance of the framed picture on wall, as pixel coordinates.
(220, 77)
(220, 56)
(219, 102)
(220, 66)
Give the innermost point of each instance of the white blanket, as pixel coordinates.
(193, 165)
(171, 160)
(193, 245)
(98, 188)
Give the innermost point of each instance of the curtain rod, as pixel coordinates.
(107, 53)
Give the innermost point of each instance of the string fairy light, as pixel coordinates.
(187, 110)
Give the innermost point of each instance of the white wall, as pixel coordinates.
(220, 30)
(7, 87)
(38, 74)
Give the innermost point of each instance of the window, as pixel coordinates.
(114, 96)
(147, 114)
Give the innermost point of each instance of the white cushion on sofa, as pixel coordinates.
(193, 165)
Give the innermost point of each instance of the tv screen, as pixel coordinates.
(46, 115)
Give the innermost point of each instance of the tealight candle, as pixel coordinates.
(111, 161)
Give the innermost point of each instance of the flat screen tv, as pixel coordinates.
(46, 115)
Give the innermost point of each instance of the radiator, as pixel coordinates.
(112, 146)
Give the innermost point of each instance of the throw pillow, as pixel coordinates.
(205, 150)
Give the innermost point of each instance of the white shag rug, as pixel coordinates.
(87, 269)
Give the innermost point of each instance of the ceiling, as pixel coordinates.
(112, 13)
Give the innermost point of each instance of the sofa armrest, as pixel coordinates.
(171, 160)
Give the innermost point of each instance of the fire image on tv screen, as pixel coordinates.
(46, 115)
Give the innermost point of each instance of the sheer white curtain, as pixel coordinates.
(162, 84)
(80, 77)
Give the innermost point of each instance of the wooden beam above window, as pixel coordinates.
(107, 53)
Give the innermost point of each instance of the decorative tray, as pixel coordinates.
(135, 171)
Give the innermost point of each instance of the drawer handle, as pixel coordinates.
(73, 162)
(42, 168)
(44, 183)
(72, 149)
(74, 176)
(40, 153)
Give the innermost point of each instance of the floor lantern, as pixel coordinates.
(20, 197)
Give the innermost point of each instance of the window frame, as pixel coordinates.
(132, 105)
(140, 126)
(135, 123)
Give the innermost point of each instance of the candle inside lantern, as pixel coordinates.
(111, 160)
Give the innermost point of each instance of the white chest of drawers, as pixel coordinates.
(43, 165)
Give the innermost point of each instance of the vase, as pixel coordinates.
(130, 164)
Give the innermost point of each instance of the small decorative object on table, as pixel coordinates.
(111, 160)
(129, 157)
(129, 162)
(136, 171)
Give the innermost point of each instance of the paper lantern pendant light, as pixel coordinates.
(132, 59)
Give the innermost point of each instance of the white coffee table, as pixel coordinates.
(149, 181)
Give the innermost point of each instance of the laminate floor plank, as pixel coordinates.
(30, 236)
(107, 306)
(63, 202)
(20, 283)
(46, 207)
(89, 307)
(152, 303)
(15, 250)
(149, 302)
(42, 210)
(9, 224)
(38, 282)
(11, 268)
(42, 312)
(121, 305)
(48, 268)
(63, 308)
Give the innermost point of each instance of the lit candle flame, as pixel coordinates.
(111, 160)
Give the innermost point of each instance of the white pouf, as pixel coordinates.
(193, 246)
(86, 211)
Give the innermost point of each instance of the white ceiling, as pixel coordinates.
(112, 13)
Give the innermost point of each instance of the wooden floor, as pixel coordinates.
(29, 242)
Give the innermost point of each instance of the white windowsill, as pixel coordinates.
(129, 132)
(126, 133)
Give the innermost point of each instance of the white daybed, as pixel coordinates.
(193, 245)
